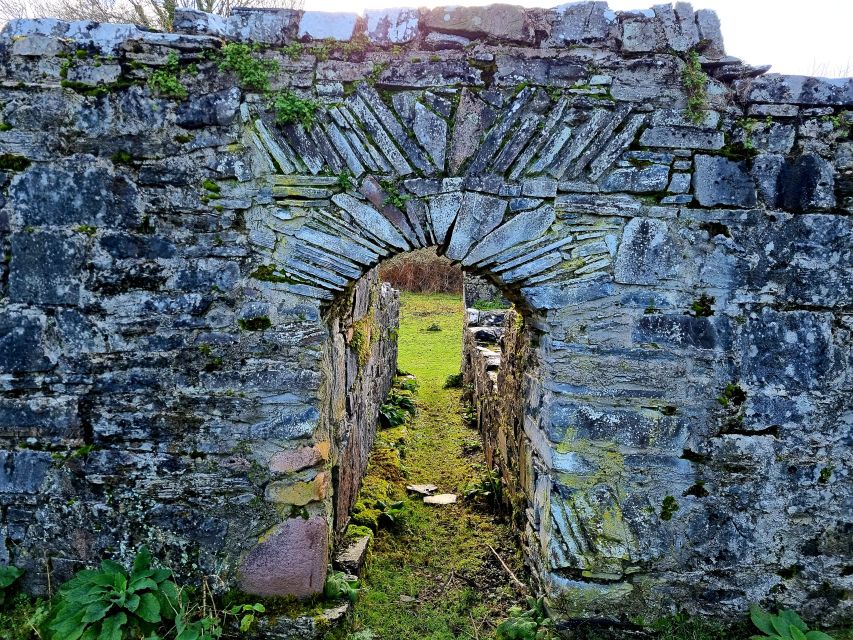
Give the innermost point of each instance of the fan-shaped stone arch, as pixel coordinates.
(178, 262)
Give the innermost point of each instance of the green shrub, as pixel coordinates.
(289, 108)
(453, 381)
(252, 73)
(785, 625)
(396, 409)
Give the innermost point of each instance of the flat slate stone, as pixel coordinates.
(371, 220)
(431, 131)
(423, 489)
(637, 179)
(524, 227)
(473, 118)
(443, 209)
(441, 499)
(675, 137)
(478, 215)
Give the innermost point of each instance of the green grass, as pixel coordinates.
(440, 557)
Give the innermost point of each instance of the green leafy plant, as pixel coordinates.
(396, 409)
(532, 624)
(408, 384)
(391, 416)
(732, 394)
(391, 514)
(784, 625)
(165, 82)
(393, 195)
(345, 180)
(8, 575)
(434, 327)
(289, 108)
(292, 50)
(489, 305)
(340, 585)
(488, 488)
(109, 602)
(252, 73)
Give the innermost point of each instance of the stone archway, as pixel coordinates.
(675, 223)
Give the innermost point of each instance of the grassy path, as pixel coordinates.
(435, 578)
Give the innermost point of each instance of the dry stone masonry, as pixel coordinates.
(194, 342)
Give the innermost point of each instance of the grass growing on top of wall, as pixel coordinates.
(435, 577)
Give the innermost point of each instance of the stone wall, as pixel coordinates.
(184, 234)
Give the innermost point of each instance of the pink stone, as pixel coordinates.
(295, 459)
(290, 562)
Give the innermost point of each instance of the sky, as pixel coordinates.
(806, 38)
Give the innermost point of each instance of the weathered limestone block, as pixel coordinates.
(46, 268)
(791, 350)
(642, 32)
(101, 197)
(679, 26)
(806, 184)
(719, 181)
(392, 26)
(637, 180)
(215, 109)
(500, 22)
(710, 34)
(780, 89)
(580, 22)
(646, 253)
(23, 345)
(677, 330)
(23, 471)
(319, 25)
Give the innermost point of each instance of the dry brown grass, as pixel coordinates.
(422, 271)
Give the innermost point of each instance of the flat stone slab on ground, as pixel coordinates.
(423, 489)
(441, 499)
(352, 558)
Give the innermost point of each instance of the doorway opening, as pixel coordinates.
(435, 503)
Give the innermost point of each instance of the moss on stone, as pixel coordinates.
(259, 323)
(364, 333)
(12, 162)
